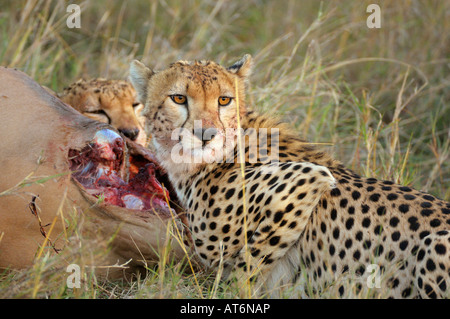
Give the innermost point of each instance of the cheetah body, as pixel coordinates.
(303, 223)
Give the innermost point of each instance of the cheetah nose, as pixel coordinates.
(130, 133)
(205, 134)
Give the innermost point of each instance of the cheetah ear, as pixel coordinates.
(139, 76)
(243, 67)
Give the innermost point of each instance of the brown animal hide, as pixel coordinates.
(55, 162)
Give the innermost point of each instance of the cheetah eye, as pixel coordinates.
(135, 104)
(179, 99)
(224, 100)
(99, 115)
(100, 112)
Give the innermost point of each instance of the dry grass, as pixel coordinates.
(376, 98)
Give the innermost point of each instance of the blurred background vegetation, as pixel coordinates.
(378, 99)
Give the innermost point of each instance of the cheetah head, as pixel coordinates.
(191, 110)
(108, 101)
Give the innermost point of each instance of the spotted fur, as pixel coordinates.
(304, 220)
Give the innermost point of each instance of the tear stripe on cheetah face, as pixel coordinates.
(108, 101)
(360, 222)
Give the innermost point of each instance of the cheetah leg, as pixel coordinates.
(264, 251)
(432, 273)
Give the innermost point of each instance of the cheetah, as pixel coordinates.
(108, 101)
(288, 216)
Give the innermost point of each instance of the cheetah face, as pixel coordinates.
(191, 110)
(108, 101)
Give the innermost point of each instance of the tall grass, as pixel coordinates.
(378, 99)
